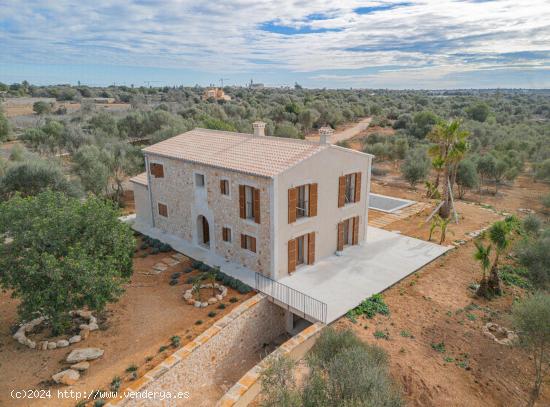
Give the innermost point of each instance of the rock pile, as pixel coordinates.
(499, 334)
(78, 359)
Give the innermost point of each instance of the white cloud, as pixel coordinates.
(225, 36)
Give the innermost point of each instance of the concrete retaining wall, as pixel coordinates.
(244, 330)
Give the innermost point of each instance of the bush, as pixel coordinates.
(176, 341)
(115, 383)
(378, 171)
(204, 267)
(211, 314)
(416, 167)
(233, 299)
(196, 264)
(173, 281)
(370, 307)
(176, 275)
(344, 371)
(155, 250)
(198, 322)
(165, 248)
(221, 306)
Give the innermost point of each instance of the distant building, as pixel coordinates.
(104, 100)
(215, 93)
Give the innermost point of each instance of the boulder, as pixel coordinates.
(52, 345)
(84, 326)
(75, 339)
(84, 332)
(82, 354)
(160, 267)
(81, 366)
(204, 304)
(187, 295)
(212, 300)
(85, 314)
(93, 326)
(190, 301)
(219, 297)
(67, 377)
(197, 304)
(31, 344)
(62, 343)
(43, 345)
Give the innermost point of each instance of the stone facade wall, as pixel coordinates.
(186, 203)
(244, 330)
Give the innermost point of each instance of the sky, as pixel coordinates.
(428, 44)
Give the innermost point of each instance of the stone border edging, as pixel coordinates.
(245, 383)
(185, 351)
(21, 337)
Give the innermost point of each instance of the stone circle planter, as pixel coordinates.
(188, 295)
(21, 334)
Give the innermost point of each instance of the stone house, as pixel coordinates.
(272, 205)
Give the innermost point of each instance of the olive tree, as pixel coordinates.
(76, 254)
(4, 127)
(531, 319)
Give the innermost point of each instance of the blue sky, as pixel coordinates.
(426, 44)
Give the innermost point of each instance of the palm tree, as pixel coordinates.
(439, 223)
(498, 235)
(450, 147)
(197, 289)
(483, 255)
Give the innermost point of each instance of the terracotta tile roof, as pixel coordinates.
(140, 179)
(264, 156)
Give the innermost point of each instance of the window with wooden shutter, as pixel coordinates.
(340, 238)
(311, 248)
(248, 243)
(252, 247)
(357, 187)
(243, 241)
(256, 205)
(312, 199)
(224, 187)
(156, 170)
(163, 210)
(355, 233)
(242, 202)
(226, 234)
(341, 191)
(291, 256)
(292, 202)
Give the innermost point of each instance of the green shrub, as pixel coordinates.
(438, 347)
(221, 306)
(165, 248)
(344, 371)
(131, 368)
(196, 264)
(144, 246)
(115, 383)
(173, 281)
(370, 307)
(381, 335)
(515, 276)
(198, 322)
(233, 299)
(176, 341)
(99, 403)
(188, 270)
(211, 314)
(162, 348)
(176, 275)
(204, 267)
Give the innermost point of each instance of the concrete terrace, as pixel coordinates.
(341, 282)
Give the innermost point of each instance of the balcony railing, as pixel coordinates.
(296, 301)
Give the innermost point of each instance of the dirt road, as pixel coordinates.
(346, 132)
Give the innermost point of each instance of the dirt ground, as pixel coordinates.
(436, 306)
(131, 332)
(356, 142)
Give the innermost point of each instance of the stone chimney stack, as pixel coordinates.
(325, 133)
(259, 129)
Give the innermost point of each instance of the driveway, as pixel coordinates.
(343, 282)
(346, 133)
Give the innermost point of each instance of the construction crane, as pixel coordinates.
(223, 79)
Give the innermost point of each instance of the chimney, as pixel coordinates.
(259, 129)
(325, 133)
